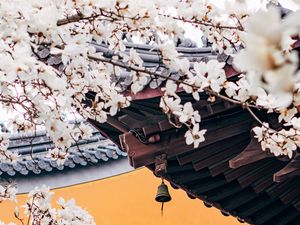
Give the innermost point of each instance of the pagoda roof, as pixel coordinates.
(151, 61)
(228, 170)
(88, 160)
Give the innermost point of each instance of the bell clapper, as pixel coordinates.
(162, 204)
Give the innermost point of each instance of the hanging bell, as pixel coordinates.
(163, 194)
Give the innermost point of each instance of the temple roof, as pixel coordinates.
(33, 149)
(228, 171)
(151, 60)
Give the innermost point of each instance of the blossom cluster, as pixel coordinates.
(8, 192)
(39, 210)
(269, 80)
(272, 77)
(5, 155)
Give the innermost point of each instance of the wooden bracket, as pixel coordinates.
(160, 165)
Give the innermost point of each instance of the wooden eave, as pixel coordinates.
(228, 171)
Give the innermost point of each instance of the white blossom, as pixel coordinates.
(58, 155)
(188, 114)
(39, 209)
(8, 192)
(195, 136)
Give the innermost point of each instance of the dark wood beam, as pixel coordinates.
(291, 170)
(173, 142)
(252, 153)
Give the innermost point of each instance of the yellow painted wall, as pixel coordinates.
(128, 199)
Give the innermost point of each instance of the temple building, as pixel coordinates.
(98, 176)
(230, 179)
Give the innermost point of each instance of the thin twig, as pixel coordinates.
(254, 116)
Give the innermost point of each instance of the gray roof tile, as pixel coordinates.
(36, 170)
(17, 166)
(148, 53)
(92, 151)
(11, 172)
(43, 52)
(4, 167)
(24, 171)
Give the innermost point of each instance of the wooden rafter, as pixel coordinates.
(251, 154)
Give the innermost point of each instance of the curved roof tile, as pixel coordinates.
(95, 150)
(150, 56)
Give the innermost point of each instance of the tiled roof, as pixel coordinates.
(95, 150)
(151, 60)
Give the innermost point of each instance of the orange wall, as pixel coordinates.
(129, 200)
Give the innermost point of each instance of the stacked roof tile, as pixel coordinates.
(151, 60)
(33, 149)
